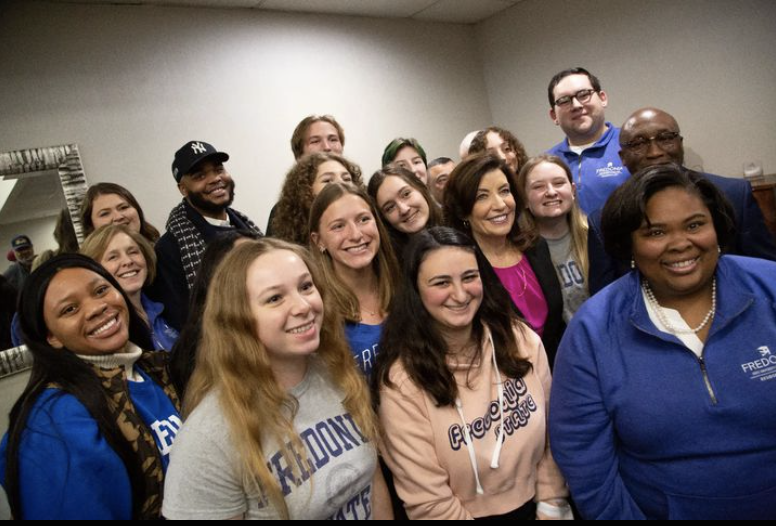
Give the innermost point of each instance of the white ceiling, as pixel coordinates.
(450, 11)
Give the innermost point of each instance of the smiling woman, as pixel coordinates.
(482, 200)
(109, 203)
(303, 182)
(404, 203)
(269, 319)
(692, 323)
(546, 186)
(351, 245)
(456, 373)
(131, 259)
(90, 434)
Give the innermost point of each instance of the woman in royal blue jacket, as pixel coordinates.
(664, 392)
(89, 437)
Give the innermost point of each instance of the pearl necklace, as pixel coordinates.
(664, 320)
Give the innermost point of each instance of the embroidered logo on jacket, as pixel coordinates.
(764, 368)
(609, 171)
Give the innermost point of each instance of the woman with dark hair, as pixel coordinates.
(463, 387)
(664, 387)
(110, 203)
(303, 182)
(407, 154)
(404, 203)
(482, 200)
(350, 245)
(185, 349)
(90, 435)
(501, 143)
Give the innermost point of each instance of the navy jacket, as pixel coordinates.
(753, 239)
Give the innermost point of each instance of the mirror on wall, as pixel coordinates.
(39, 188)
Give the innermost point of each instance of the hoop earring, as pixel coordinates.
(465, 223)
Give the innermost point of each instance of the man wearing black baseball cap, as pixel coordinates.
(24, 253)
(208, 192)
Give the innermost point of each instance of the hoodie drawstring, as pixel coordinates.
(467, 436)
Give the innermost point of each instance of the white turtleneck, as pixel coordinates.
(124, 359)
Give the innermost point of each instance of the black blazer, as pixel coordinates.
(541, 263)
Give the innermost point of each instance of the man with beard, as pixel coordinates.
(203, 214)
(24, 253)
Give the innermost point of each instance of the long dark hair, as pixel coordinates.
(398, 238)
(71, 374)
(410, 333)
(185, 349)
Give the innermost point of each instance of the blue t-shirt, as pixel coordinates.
(364, 341)
(68, 471)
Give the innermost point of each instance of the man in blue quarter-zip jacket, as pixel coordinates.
(591, 148)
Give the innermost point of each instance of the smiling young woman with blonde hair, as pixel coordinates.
(275, 410)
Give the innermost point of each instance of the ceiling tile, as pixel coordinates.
(373, 8)
(462, 11)
(454, 11)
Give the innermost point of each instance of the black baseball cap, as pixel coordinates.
(190, 154)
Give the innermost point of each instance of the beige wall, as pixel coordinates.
(131, 84)
(708, 62)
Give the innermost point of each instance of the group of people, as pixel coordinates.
(588, 331)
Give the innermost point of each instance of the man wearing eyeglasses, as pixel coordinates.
(591, 148)
(650, 137)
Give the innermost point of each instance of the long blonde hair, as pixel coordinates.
(385, 266)
(576, 218)
(233, 362)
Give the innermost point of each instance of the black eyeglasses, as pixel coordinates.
(639, 145)
(583, 96)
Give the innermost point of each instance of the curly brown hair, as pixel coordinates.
(480, 143)
(293, 209)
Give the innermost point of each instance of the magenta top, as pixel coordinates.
(522, 285)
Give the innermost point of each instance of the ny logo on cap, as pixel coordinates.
(197, 147)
